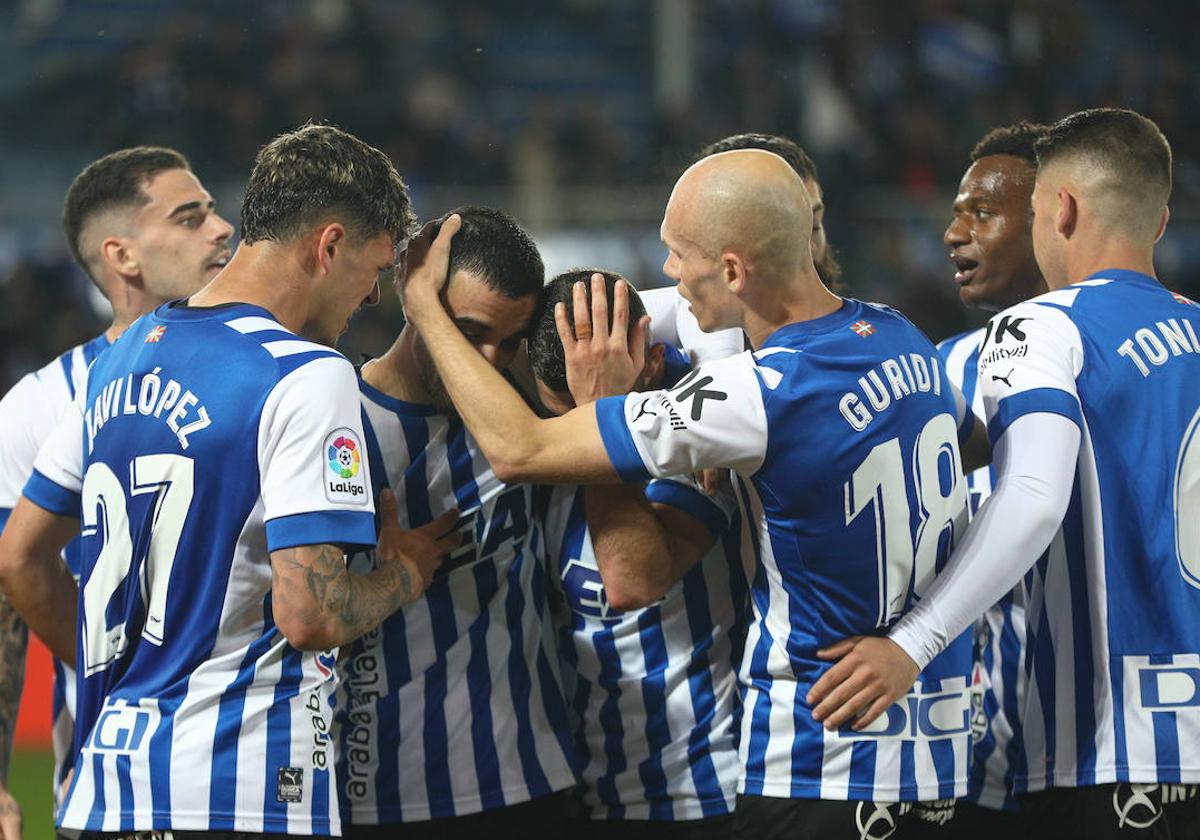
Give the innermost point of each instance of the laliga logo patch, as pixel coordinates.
(344, 459)
(345, 482)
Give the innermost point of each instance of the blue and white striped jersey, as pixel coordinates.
(193, 711)
(28, 413)
(998, 682)
(651, 692)
(453, 705)
(1113, 658)
(843, 432)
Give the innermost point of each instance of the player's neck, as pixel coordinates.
(806, 300)
(262, 275)
(397, 373)
(1108, 255)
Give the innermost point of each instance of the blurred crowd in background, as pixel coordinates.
(576, 115)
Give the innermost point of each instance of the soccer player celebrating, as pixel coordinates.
(991, 244)
(214, 508)
(843, 431)
(673, 323)
(144, 229)
(453, 721)
(1094, 417)
(647, 659)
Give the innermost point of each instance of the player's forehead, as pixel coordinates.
(474, 303)
(173, 189)
(997, 178)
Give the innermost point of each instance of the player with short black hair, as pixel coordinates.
(1093, 412)
(451, 718)
(646, 659)
(214, 458)
(545, 348)
(991, 245)
(145, 231)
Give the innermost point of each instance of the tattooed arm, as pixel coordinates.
(14, 639)
(319, 604)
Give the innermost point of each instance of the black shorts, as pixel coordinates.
(769, 818)
(1123, 810)
(713, 828)
(978, 823)
(537, 818)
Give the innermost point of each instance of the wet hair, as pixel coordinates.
(787, 149)
(546, 354)
(319, 173)
(494, 247)
(1130, 147)
(1016, 140)
(117, 180)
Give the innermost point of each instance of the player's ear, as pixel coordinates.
(331, 239)
(654, 365)
(734, 271)
(1068, 213)
(1162, 224)
(116, 253)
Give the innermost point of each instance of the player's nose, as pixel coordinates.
(956, 233)
(224, 230)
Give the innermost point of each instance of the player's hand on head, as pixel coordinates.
(10, 816)
(871, 673)
(601, 362)
(415, 554)
(424, 267)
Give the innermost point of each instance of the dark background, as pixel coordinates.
(576, 116)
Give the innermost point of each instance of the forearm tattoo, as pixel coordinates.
(14, 641)
(322, 590)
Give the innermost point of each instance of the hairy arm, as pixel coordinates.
(641, 548)
(14, 641)
(319, 604)
(34, 578)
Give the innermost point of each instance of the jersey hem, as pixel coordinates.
(204, 821)
(458, 807)
(869, 793)
(1109, 776)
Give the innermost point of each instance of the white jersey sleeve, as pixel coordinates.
(672, 321)
(27, 413)
(312, 464)
(1028, 363)
(660, 306)
(713, 417)
(57, 477)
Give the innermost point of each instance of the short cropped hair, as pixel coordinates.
(114, 181)
(321, 172)
(494, 247)
(787, 149)
(1016, 140)
(1129, 146)
(546, 354)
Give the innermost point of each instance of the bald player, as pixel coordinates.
(843, 432)
(673, 322)
(1094, 412)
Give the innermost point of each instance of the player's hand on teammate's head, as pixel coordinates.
(601, 362)
(10, 816)
(424, 267)
(872, 673)
(415, 554)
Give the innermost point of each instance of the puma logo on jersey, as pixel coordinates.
(998, 378)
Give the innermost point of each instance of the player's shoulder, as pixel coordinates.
(281, 351)
(967, 341)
